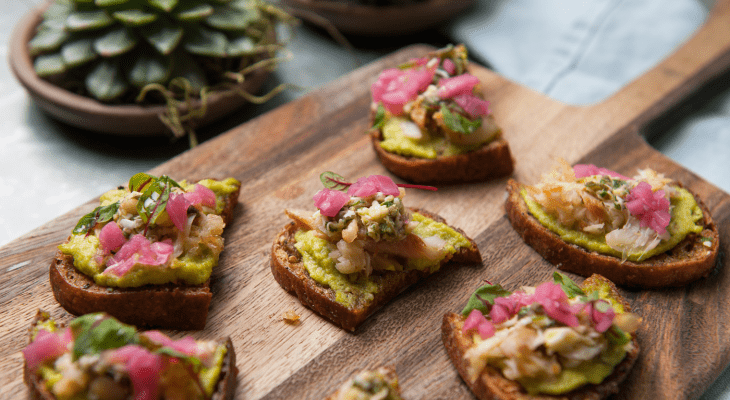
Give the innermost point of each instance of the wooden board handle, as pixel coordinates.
(703, 57)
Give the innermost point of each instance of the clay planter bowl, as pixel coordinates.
(87, 113)
(355, 19)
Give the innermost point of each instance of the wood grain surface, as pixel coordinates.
(278, 158)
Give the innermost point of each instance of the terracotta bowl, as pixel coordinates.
(351, 18)
(87, 113)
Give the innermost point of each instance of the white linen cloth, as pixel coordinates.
(581, 51)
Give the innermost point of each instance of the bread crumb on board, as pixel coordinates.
(290, 317)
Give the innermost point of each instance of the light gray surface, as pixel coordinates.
(49, 168)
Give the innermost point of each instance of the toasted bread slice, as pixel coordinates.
(172, 305)
(688, 261)
(224, 389)
(289, 271)
(491, 384)
(493, 160)
(380, 379)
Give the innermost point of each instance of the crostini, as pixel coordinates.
(146, 253)
(646, 231)
(376, 384)
(553, 341)
(97, 357)
(430, 122)
(361, 248)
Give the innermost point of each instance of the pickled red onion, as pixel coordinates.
(330, 202)
(143, 367)
(449, 66)
(651, 208)
(186, 345)
(368, 186)
(584, 170)
(473, 105)
(201, 195)
(46, 346)
(139, 250)
(111, 237)
(602, 320)
(177, 210)
(394, 87)
(459, 85)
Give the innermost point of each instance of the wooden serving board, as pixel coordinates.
(278, 158)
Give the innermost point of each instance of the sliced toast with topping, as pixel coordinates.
(174, 305)
(430, 122)
(492, 384)
(380, 383)
(491, 161)
(693, 258)
(289, 271)
(224, 388)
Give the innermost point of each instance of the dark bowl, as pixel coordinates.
(87, 113)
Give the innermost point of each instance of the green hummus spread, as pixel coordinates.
(430, 146)
(685, 213)
(356, 290)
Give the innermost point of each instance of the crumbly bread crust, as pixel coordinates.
(171, 306)
(288, 270)
(491, 384)
(493, 160)
(686, 262)
(224, 390)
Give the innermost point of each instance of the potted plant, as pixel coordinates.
(141, 67)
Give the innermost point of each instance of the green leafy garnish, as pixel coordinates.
(379, 119)
(333, 181)
(484, 296)
(458, 123)
(617, 336)
(95, 333)
(193, 361)
(569, 287)
(139, 181)
(100, 214)
(157, 190)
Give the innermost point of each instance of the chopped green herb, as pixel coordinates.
(333, 181)
(458, 123)
(157, 190)
(379, 119)
(484, 296)
(569, 287)
(97, 332)
(100, 214)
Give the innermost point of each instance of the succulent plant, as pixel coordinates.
(120, 50)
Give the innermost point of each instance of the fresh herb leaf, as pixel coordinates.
(138, 182)
(484, 296)
(331, 180)
(100, 214)
(616, 336)
(569, 287)
(458, 123)
(379, 119)
(158, 191)
(191, 360)
(95, 333)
